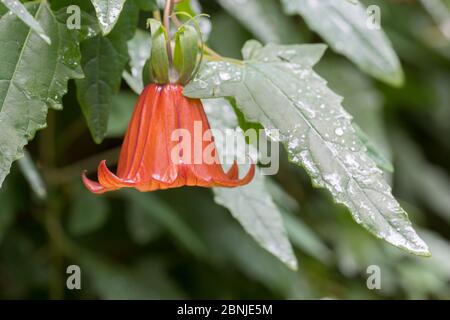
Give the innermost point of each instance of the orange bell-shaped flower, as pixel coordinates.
(151, 159)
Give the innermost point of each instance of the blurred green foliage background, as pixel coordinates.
(180, 244)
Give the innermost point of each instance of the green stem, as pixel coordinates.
(167, 13)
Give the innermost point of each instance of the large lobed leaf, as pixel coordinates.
(33, 77)
(343, 25)
(277, 87)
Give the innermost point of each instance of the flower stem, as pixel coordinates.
(167, 13)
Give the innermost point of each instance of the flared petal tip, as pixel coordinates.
(249, 176)
(107, 181)
(92, 186)
(233, 177)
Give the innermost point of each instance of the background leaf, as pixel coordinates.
(104, 59)
(120, 114)
(139, 48)
(19, 10)
(426, 181)
(147, 279)
(143, 227)
(24, 97)
(265, 19)
(7, 212)
(166, 217)
(88, 213)
(33, 176)
(344, 26)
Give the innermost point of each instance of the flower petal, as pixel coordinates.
(109, 180)
(92, 186)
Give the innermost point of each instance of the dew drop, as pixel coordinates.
(339, 132)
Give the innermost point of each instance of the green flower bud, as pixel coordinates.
(186, 53)
(157, 68)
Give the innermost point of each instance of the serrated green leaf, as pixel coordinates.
(251, 205)
(344, 26)
(279, 89)
(372, 151)
(104, 59)
(19, 10)
(24, 97)
(264, 19)
(108, 12)
(365, 104)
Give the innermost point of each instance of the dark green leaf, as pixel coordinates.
(147, 5)
(102, 71)
(103, 61)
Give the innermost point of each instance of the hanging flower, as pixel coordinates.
(168, 143)
(154, 155)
